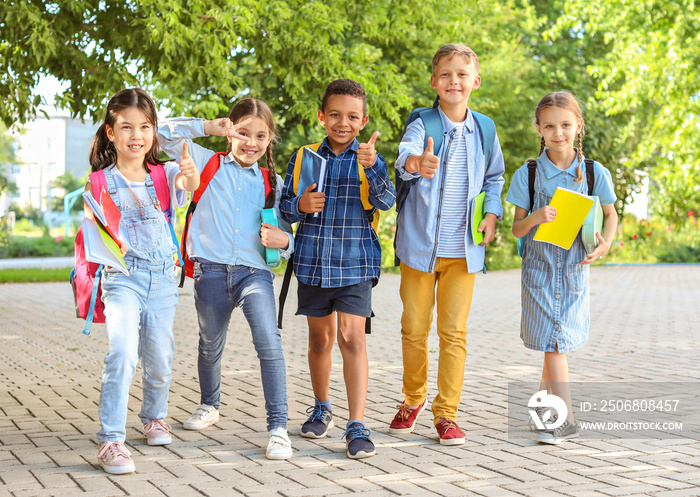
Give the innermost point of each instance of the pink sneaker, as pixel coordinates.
(157, 432)
(115, 458)
(450, 433)
(405, 419)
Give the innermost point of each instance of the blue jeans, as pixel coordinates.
(218, 289)
(139, 314)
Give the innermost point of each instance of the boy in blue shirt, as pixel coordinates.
(338, 258)
(434, 241)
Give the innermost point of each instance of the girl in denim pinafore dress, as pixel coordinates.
(555, 315)
(140, 305)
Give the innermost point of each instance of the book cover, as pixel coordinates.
(572, 208)
(313, 170)
(106, 213)
(100, 247)
(592, 225)
(272, 255)
(477, 216)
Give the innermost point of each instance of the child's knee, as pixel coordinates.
(321, 342)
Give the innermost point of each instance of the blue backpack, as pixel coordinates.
(433, 128)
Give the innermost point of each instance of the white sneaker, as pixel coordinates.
(115, 458)
(202, 417)
(279, 446)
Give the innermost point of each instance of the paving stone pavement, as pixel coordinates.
(645, 327)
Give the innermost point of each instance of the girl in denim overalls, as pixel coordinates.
(140, 306)
(555, 308)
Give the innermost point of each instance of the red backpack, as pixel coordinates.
(205, 177)
(85, 276)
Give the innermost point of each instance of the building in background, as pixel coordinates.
(46, 149)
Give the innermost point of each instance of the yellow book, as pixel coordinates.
(572, 208)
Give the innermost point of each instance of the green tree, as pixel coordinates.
(649, 75)
(7, 158)
(197, 56)
(68, 183)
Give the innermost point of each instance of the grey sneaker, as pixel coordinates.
(358, 442)
(565, 432)
(318, 424)
(541, 412)
(202, 417)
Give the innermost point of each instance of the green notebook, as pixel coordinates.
(477, 217)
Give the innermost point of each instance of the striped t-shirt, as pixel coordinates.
(453, 215)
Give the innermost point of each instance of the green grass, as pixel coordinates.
(34, 275)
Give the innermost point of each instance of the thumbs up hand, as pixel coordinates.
(188, 177)
(187, 166)
(366, 155)
(429, 162)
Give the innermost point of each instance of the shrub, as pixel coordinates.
(44, 246)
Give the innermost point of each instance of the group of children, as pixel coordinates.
(336, 253)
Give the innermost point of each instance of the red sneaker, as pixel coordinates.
(405, 419)
(450, 433)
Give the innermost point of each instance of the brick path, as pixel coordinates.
(645, 327)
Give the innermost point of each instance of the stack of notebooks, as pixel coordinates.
(101, 235)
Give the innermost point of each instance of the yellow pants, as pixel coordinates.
(455, 287)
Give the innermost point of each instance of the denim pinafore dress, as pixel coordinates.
(554, 290)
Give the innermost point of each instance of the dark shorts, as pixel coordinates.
(320, 302)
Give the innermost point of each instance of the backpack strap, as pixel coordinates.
(285, 289)
(98, 181)
(531, 170)
(162, 190)
(210, 169)
(157, 185)
(93, 298)
(590, 175)
(433, 127)
(269, 201)
(487, 129)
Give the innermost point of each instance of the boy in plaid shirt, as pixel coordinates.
(337, 258)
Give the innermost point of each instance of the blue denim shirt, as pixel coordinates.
(225, 228)
(338, 247)
(418, 222)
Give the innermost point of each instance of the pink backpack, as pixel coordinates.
(85, 276)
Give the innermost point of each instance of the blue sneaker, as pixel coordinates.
(358, 443)
(318, 424)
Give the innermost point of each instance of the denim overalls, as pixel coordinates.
(554, 289)
(139, 313)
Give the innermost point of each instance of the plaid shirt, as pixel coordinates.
(338, 247)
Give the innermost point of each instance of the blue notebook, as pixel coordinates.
(313, 170)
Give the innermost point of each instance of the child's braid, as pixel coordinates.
(270, 200)
(542, 145)
(579, 171)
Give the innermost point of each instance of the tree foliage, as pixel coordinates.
(634, 66)
(7, 157)
(68, 183)
(649, 75)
